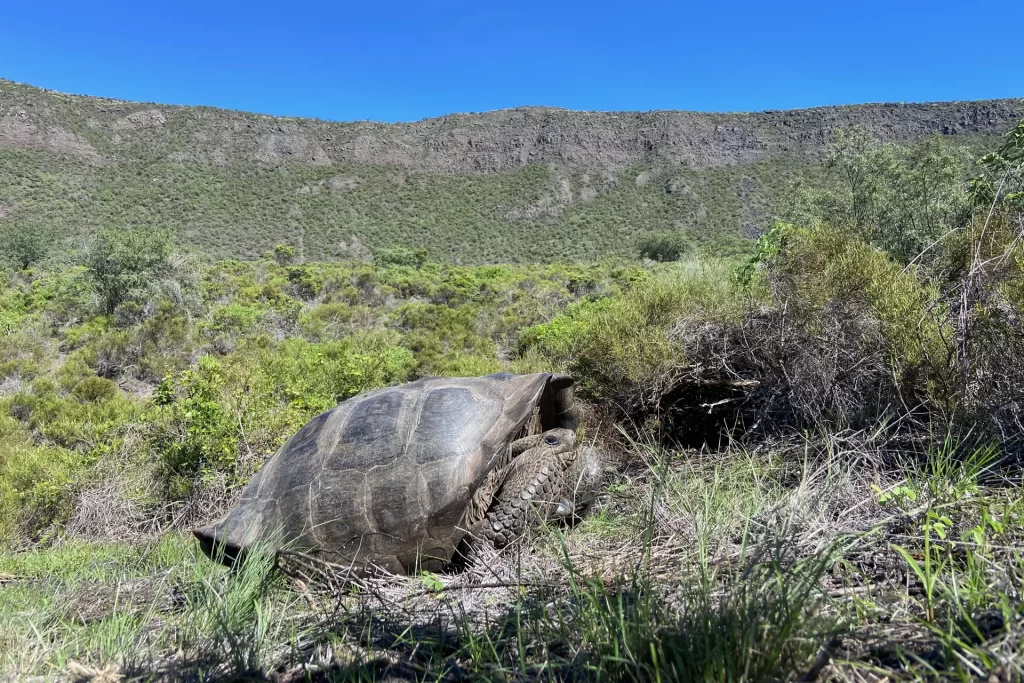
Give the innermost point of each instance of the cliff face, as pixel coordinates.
(105, 131)
(507, 139)
(524, 184)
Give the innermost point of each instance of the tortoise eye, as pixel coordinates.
(551, 440)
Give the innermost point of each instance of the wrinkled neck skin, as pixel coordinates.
(583, 479)
(520, 446)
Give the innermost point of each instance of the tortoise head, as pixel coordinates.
(555, 442)
(582, 483)
(552, 442)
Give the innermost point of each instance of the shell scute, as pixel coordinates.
(339, 509)
(367, 432)
(450, 424)
(396, 504)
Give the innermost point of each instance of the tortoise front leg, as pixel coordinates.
(531, 490)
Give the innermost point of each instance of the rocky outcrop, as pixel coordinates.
(508, 139)
(472, 143)
(147, 118)
(289, 144)
(19, 130)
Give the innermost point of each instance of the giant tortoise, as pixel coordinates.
(397, 478)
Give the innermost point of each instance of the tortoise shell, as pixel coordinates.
(385, 479)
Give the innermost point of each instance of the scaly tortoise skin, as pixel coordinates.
(395, 478)
(530, 489)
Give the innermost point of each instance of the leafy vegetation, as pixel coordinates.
(28, 242)
(217, 181)
(813, 447)
(666, 246)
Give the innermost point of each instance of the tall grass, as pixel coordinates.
(176, 615)
(714, 567)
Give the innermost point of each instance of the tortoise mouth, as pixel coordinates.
(219, 550)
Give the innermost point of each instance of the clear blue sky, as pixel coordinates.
(409, 59)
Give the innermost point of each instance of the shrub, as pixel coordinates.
(194, 429)
(400, 256)
(853, 333)
(622, 346)
(663, 246)
(332, 320)
(26, 242)
(904, 200)
(235, 319)
(822, 265)
(34, 487)
(127, 264)
(37, 479)
(70, 422)
(95, 390)
(306, 282)
(284, 254)
(440, 336)
(1000, 185)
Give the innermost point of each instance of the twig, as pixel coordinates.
(485, 586)
(822, 660)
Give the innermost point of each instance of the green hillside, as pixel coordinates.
(244, 211)
(234, 184)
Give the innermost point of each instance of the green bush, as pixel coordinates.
(195, 431)
(615, 346)
(25, 242)
(35, 487)
(401, 256)
(904, 200)
(284, 254)
(440, 336)
(126, 265)
(822, 265)
(306, 282)
(37, 479)
(663, 246)
(328, 321)
(235, 318)
(85, 422)
(95, 390)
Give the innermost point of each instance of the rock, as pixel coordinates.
(20, 131)
(148, 118)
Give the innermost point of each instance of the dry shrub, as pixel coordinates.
(831, 333)
(103, 512)
(116, 354)
(775, 369)
(986, 272)
(111, 502)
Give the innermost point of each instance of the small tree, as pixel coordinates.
(663, 246)
(284, 254)
(127, 264)
(1001, 182)
(24, 243)
(901, 199)
(401, 256)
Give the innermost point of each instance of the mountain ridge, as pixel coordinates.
(520, 184)
(539, 107)
(490, 141)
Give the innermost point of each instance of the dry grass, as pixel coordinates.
(778, 561)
